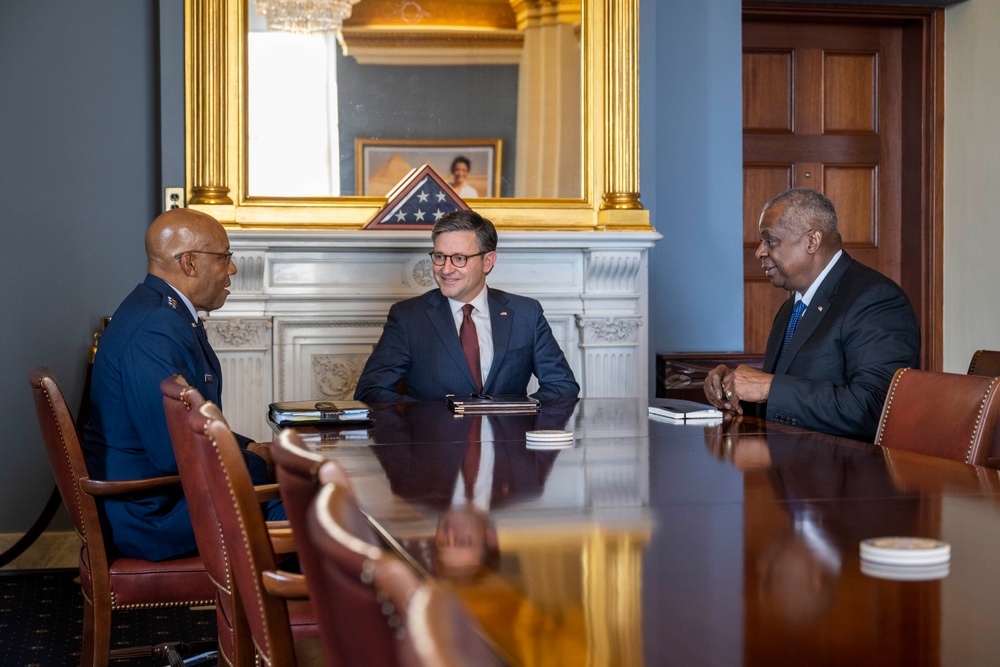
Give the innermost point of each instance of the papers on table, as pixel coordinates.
(480, 404)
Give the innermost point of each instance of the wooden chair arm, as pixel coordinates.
(285, 585)
(266, 492)
(115, 487)
(282, 540)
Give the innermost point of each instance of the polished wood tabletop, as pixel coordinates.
(652, 543)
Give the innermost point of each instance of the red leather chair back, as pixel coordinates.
(179, 400)
(425, 625)
(244, 533)
(985, 362)
(62, 444)
(947, 415)
(439, 631)
(352, 627)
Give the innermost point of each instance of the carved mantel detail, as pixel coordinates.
(423, 274)
(609, 330)
(612, 271)
(238, 332)
(336, 376)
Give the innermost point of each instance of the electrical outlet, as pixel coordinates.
(173, 198)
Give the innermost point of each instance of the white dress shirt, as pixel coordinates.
(481, 316)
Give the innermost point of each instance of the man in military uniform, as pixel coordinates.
(156, 333)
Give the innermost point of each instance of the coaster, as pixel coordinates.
(905, 551)
(905, 572)
(549, 435)
(548, 439)
(548, 444)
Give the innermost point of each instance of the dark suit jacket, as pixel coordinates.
(151, 336)
(857, 331)
(420, 346)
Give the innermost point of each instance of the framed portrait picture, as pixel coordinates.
(470, 166)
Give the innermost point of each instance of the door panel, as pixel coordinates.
(821, 109)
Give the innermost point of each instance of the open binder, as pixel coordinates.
(290, 413)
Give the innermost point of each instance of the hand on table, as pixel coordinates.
(725, 388)
(720, 394)
(745, 451)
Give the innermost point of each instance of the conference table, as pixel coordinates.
(644, 542)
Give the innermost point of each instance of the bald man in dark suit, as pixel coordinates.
(855, 327)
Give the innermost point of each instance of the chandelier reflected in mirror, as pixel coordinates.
(305, 16)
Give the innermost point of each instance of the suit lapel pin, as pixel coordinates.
(208, 377)
(819, 308)
(172, 302)
(503, 312)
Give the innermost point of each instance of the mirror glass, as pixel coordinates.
(489, 97)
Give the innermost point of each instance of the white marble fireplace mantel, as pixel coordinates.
(307, 307)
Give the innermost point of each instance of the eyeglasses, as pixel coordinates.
(458, 260)
(228, 255)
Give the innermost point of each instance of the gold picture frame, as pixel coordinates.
(381, 163)
(216, 135)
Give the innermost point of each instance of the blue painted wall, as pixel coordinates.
(413, 102)
(691, 172)
(79, 163)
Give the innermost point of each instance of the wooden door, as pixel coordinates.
(829, 103)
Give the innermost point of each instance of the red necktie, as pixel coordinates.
(473, 454)
(470, 345)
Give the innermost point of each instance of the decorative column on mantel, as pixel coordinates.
(609, 328)
(307, 307)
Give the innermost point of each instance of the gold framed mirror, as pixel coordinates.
(592, 185)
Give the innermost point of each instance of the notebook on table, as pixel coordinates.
(676, 409)
(481, 404)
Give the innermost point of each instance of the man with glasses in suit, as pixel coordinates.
(836, 341)
(154, 334)
(464, 338)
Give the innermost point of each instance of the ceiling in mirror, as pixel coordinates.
(489, 92)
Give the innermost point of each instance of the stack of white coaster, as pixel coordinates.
(548, 439)
(905, 558)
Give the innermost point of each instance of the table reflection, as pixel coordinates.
(464, 467)
(654, 543)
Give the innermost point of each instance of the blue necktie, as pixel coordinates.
(793, 321)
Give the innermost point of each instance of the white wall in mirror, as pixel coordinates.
(293, 122)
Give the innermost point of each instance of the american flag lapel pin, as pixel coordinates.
(503, 313)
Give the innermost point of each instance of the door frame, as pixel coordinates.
(922, 146)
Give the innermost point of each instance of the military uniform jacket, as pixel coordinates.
(151, 336)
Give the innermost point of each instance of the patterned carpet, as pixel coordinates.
(41, 620)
